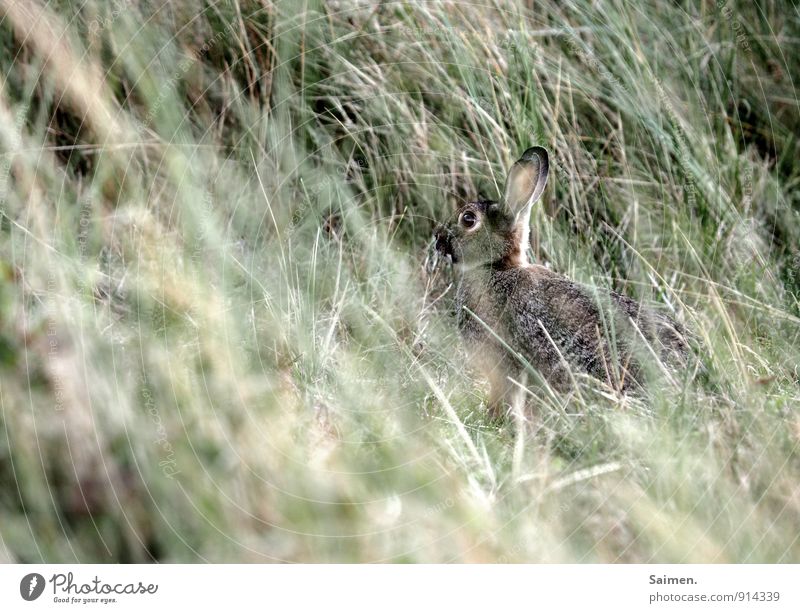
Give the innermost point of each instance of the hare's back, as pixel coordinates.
(545, 300)
(548, 315)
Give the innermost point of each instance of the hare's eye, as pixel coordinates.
(468, 219)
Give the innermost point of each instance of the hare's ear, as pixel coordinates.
(525, 183)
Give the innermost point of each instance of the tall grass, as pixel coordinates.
(217, 340)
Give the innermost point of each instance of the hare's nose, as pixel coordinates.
(438, 250)
(442, 240)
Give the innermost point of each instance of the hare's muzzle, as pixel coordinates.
(440, 249)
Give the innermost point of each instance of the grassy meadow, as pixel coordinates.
(217, 338)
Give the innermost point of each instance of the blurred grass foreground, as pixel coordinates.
(217, 341)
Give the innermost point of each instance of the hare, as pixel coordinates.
(517, 317)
